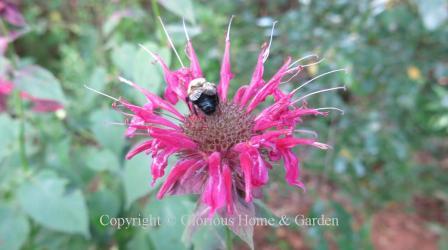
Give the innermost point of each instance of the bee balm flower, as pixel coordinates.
(224, 157)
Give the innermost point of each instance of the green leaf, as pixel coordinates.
(182, 8)
(14, 228)
(115, 19)
(147, 73)
(109, 136)
(4, 65)
(123, 57)
(137, 178)
(8, 136)
(433, 13)
(102, 160)
(104, 202)
(97, 81)
(170, 210)
(39, 83)
(140, 241)
(47, 200)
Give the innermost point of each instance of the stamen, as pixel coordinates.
(321, 145)
(331, 108)
(130, 83)
(317, 77)
(266, 53)
(228, 28)
(117, 123)
(148, 51)
(295, 74)
(301, 59)
(170, 42)
(305, 131)
(101, 93)
(185, 29)
(317, 92)
(314, 63)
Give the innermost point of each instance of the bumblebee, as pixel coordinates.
(203, 95)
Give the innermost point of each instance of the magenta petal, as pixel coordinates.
(215, 193)
(290, 142)
(194, 62)
(226, 74)
(155, 100)
(227, 175)
(44, 105)
(257, 77)
(259, 171)
(291, 163)
(138, 149)
(13, 16)
(176, 173)
(246, 165)
(172, 138)
(239, 94)
(269, 87)
(159, 163)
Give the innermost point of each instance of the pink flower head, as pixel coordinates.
(224, 157)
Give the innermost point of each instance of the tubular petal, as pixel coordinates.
(225, 74)
(176, 173)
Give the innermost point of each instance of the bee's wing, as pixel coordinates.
(195, 94)
(209, 88)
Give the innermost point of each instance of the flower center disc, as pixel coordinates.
(229, 125)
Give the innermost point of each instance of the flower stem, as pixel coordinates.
(22, 147)
(156, 13)
(229, 243)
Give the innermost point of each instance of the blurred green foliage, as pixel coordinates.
(59, 172)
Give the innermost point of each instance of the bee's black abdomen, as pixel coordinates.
(207, 103)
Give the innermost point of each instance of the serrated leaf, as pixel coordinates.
(14, 228)
(137, 178)
(39, 83)
(47, 200)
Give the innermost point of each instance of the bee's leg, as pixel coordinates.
(194, 110)
(217, 103)
(190, 105)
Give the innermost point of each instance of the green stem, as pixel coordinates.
(156, 13)
(22, 145)
(229, 242)
(5, 32)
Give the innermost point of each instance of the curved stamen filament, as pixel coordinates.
(148, 51)
(185, 29)
(301, 59)
(170, 42)
(124, 80)
(315, 78)
(101, 93)
(266, 53)
(228, 28)
(305, 131)
(314, 63)
(330, 108)
(317, 92)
